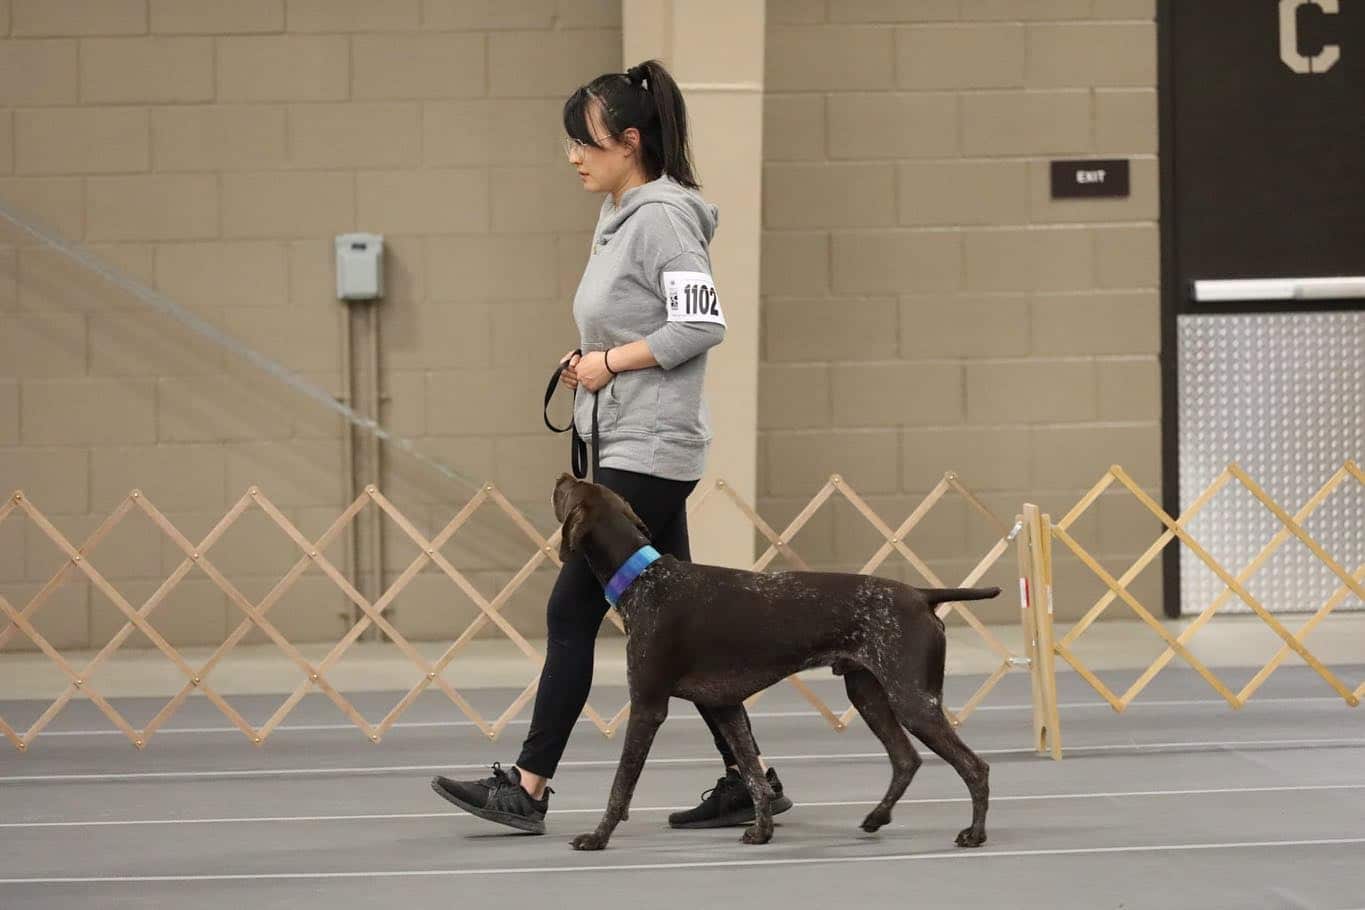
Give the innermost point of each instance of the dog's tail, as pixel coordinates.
(942, 595)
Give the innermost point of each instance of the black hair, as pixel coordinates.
(645, 97)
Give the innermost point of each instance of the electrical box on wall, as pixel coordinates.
(360, 266)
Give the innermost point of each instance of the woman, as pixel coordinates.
(647, 312)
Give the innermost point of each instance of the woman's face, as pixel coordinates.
(605, 169)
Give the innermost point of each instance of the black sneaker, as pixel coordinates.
(499, 798)
(728, 803)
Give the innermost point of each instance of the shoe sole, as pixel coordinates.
(738, 817)
(502, 818)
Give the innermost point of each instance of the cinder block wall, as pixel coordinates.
(212, 150)
(926, 306)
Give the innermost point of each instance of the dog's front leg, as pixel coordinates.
(730, 719)
(644, 722)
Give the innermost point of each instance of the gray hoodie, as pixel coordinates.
(649, 277)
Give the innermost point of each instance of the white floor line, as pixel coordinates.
(525, 721)
(612, 762)
(459, 816)
(985, 853)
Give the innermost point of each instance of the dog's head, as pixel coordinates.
(581, 507)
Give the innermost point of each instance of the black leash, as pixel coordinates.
(578, 449)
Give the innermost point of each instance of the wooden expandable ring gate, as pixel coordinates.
(430, 672)
(1176, 528)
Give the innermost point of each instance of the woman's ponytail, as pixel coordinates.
(671, 111)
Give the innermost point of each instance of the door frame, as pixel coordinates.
(1168, 358)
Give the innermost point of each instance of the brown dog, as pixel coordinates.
(715, 636)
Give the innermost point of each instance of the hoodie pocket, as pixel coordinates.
(630, 403)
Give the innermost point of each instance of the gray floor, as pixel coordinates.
(1180, 802)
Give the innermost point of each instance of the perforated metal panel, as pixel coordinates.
(1283, 395)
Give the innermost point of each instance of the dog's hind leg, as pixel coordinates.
(644, 723)
(870, 699)
(730, 719)
(927, 722)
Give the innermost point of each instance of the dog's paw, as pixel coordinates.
(875, 820)
(590, 841)
(970, 837)
(754, 835)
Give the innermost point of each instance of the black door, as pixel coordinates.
(1263, 168)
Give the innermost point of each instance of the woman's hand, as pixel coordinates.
(570, 375)
(592, 371)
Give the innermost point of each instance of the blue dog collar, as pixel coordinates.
(640, 560)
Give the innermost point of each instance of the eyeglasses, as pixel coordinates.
(572, 145)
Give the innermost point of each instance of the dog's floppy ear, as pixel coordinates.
(572, 532)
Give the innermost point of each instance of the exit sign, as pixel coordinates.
(1088, 179)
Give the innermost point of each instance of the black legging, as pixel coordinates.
(576, 609)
